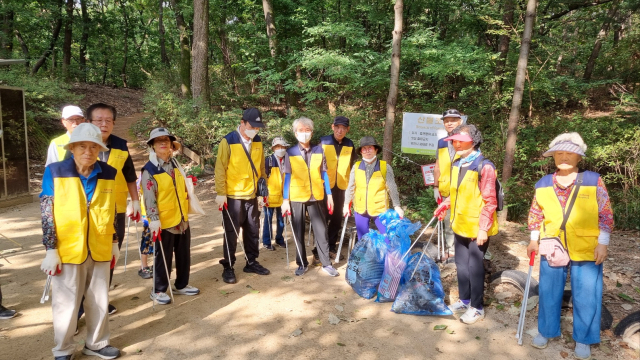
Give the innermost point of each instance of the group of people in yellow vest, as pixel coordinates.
(89, 174)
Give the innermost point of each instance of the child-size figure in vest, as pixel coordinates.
(369, 182)
(71, 117)
(274, 166)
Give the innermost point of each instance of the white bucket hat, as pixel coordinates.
(279, 140)
(71, 110)
(87, 132)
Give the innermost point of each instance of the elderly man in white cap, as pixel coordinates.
(72, 116)
(274, 167)
(78, 208)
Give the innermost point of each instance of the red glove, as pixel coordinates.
(194, 179)
(264, 201)
(441, 211)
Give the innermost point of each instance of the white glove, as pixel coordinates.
(115, 254)
(155, 229)
(134, 211)
(399, 210)
(285, 208)
(346, 210)
(260, 203)
(51, 264)
(330, 203)
(436, 195)
(221, 200)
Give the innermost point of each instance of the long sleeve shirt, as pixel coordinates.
(150, 191)
(390, 180)
(222, 164)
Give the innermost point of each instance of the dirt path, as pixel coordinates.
(253, 319)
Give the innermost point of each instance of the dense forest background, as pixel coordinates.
(200, 62)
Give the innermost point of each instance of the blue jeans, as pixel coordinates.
(586, 289)
(267, 228)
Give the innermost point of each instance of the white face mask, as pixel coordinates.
(251, 133)
(303, 137)
(280, 152)
(369, 160)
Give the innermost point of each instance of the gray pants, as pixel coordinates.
(91, 280)
(319, 224)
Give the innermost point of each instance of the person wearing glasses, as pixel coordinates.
(72, 116)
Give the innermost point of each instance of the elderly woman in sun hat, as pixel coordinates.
(473, 205)
(581, 197)
(78, 208)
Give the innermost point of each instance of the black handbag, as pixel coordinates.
(262, 189)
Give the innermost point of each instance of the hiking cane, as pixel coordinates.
(523, 309)
(344, 228)
(45, 294)
(237, 237)
(286, 244)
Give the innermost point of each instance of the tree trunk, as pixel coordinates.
(200, 61)
(25, 49)
(591, 63)
(66, 46)
(123, 71)
(163, 50)
(185, 51)
(271, 27)
(503, 47)
(54, 38)
(518, 90)
(7, 35)
(392, 99)
(84, 39)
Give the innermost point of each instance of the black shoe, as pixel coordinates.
(6, 313)
(269, 247)
(145, 273)
(255, 267)
(315, 254)
(63, 357)
(107, 352)
(229, 276)
(333, 249)
(283, 245)
(112, 309)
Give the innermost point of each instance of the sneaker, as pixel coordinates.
(255, 267)
(229, 276)
(283, 245)
(145, 273)
(301, 270)
(488, 255)
(187, 290)
(472, 315)
(539, 342)
(6, 313)
(582, 351)
(161, 298)
(64, 357)
(112, 309)
(107, 352)
(330, 270)
(269, 247)
(459, 307)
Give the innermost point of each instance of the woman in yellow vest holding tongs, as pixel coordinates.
(368, 184)
(580, 197)
(473, 205)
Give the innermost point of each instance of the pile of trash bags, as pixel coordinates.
(379, 264)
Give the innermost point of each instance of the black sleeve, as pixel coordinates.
(129, 171)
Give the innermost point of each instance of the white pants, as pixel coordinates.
(91, 280)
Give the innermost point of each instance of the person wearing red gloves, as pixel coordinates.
(78, 206)
(274, 165)
(473, 204)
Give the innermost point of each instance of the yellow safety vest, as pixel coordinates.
(172, 200)
(60, 142)
(117, 157)
(83, 226)
(371, 197)
(467, 202)
(444, 165)
(241, 180)
(582, 224)
(306, 180)
(338, 167)
(274, 183)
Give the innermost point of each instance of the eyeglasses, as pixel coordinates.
(76, 121)
(105, 122)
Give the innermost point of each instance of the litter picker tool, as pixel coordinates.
(166, 269)
(424, 252)
(286, 244)
(416, 240)
(295, 240)
(238, 240)
(126, 246)
(45, 294)
(523, 308)
(344, 228)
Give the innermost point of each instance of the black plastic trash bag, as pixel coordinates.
(366, 264)
(422, 293)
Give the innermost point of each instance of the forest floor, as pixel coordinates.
(282, 316)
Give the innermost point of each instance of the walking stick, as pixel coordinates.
(523, 309)
(286, 244)
(45, 294)
(344, 228)
(237, 236)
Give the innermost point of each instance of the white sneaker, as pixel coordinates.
(459, 307)
(472, 315)
(161, 298)
(187, 290)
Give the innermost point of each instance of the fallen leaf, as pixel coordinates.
(318, 321)
(450, 332)
(341, 344)
(477, 337)
(307, 302)
(625, 297)
(255, 291)
(439, 327)
(618, 284)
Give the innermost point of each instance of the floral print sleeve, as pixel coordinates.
(149, 191)
(605, 213)
(536, 216)
(49, 239)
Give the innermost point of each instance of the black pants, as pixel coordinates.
(470, 269)
(245, 215)
(180, 245)
(319, 224)
(120, 218)
(334, 221)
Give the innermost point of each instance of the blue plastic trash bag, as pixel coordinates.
(366, 264)
(398, 232)
(422, 293)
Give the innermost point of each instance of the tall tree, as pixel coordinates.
(123, 70)
(84, 39)
(54, 38)
(68, 38)
(185, 51)
(25, 48)
(7, 34)
(271, 27)
(392, 99)
(163, 51)
(200, 61)
(518, 90)
(503, 47)
(591, 63)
